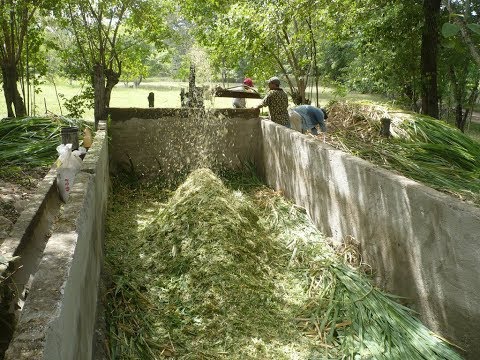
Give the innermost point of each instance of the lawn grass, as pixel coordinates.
(167, 95)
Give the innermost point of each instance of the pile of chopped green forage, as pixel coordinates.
(216, 273)
(422, 148)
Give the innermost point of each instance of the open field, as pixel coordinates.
(167, 95)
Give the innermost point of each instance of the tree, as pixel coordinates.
(462, 61)
(429, 57)
(278, 39)
(366, 48)
(16, 17)
(97, 29)
(135, 55)
(464, 24)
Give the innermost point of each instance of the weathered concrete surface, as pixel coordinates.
(26, 241)
(171, 142)
(422, 244)
(29, 216)
(57, 321)
(30, 232)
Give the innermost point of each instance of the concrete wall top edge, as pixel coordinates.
(381, 172)
(123, 114)
(91, 158)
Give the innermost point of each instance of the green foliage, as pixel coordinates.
(449, 29)
(475, 28)
(77, 104)
(385, 61)
(359, 44)
(31, 141)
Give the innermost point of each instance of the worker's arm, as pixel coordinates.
(264, 101)
(323, 127)
(319, 118)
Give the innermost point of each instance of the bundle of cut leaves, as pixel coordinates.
(424, 149)
(220, 274)
(32, 141)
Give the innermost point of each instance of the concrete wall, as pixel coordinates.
(171, 142)
(422, 244)
(29, 234)
(26, 243)
(57, 321)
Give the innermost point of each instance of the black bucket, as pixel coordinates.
(70, 136)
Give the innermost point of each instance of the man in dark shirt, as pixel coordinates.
(277, 102)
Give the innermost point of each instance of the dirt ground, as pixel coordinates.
(16, 188)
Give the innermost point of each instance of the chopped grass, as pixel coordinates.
(424, 149)
(210, 272)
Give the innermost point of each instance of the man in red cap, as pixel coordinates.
(240, 102)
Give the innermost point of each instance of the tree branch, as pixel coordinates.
(465, 35)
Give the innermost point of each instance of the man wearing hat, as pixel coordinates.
(277, 102)
(240, 103)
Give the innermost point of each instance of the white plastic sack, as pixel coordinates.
(68, 165)
(296, 120)
(81, 151)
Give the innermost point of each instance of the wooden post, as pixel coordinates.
(191, 84)
(385, 129)
(183, 98)
(195, 94)
(151, 99)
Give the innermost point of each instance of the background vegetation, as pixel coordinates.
(423, 54)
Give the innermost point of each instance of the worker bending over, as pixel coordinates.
(307, 117)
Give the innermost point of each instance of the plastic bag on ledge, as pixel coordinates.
(68, 165)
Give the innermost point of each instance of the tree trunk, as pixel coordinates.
(11, 93)
(7, 93)
(301, 90)
(458, 95)
(459, 117)
(298, 93)
(429, 52)
(112, 79)
(138, 81)
(99, 91)
(470, 103)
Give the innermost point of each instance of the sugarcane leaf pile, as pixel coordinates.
(32, 141)
(216, 272)
(422, 148)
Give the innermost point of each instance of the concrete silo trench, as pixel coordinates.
(33, 218)
(232, 270)
(405, 231)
